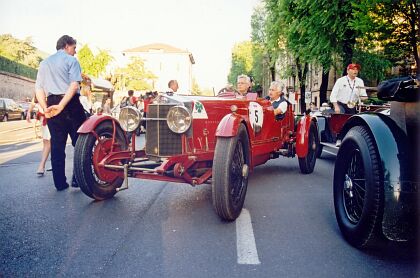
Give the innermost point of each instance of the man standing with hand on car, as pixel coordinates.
(58, 81)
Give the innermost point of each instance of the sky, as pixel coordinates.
(207, 28)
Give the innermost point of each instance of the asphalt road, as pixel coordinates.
(159, 229)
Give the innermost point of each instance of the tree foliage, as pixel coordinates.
(134, 76)
(21, 51)
(336, 32)
(391, 28)
(91, 64)
(242, 61)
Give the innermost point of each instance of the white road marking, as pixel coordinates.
(245, 240)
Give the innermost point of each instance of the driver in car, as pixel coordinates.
(243, 83)
(277, 99)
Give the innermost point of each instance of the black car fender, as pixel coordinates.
(401, 193)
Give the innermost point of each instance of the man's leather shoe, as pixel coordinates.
(74, 183)
(62, 187)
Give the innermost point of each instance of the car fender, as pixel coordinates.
(229, 125)
(321, 126)
(400, 186)
(302, 135)
(93, 121)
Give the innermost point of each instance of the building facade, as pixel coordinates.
(166, 63)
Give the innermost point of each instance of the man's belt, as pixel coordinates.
(56, 96)
(350, 104)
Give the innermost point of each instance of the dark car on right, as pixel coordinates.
(376, 174)
(10, 110)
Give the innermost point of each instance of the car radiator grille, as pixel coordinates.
(160, 140)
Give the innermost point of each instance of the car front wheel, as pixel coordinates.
(230, 174)
(98, 183)
(358, 190)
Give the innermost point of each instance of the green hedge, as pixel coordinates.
(16, 68)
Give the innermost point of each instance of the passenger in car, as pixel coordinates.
(277, 99)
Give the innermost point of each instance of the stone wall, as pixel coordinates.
(15, 86)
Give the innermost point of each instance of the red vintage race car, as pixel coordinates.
(192, 139)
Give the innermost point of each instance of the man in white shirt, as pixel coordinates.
(348, 91)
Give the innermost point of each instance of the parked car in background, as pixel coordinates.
(10, 110)
(25, 106)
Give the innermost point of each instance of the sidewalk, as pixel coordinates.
(16, 132)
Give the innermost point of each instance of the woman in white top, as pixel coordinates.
(45, 133)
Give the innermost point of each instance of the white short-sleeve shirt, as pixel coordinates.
(346, 90)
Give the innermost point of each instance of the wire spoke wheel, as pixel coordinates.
(94, 179)
(358, 189)
(354, 188)
(237, 180)
(230, 174)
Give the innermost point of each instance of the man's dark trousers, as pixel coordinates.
(64, 124)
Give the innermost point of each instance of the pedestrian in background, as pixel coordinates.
(173, 86)
(45, 135)
(85, 100)
(58, 80)
(107, 106)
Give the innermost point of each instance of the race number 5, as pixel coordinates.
(255, 116)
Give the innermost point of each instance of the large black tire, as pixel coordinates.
(229, 180)
(358, 189)
(307, 163)
(84, 170)
(319, 150)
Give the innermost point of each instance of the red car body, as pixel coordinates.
(189, 157)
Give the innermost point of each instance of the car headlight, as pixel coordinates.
(179, 119)
(129, 118)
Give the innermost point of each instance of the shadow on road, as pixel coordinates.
(16, 146)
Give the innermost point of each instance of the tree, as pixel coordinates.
(391, 27)
(91, 64)
(134, 76)
(195, 88)
(263, 54)
(242, 61)
(21, 51)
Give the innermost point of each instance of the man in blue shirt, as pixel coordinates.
(57, 89)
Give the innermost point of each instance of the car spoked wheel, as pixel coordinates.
(230, 174)
(354, 188)
(358, 189)
(98, 182)
(238, 175)
(307, 163)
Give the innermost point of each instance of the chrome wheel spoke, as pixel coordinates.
(354, 188)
